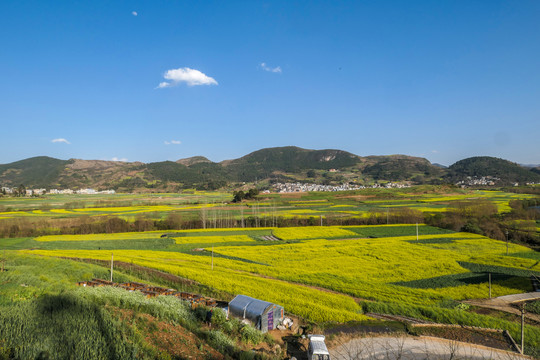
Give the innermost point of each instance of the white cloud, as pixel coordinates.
(134, 13)
(265, 67)
(186, 75)
(173, 142)
(435, 151)
(60, 140)
(119, 159)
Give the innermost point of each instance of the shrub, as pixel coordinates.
(250, 335)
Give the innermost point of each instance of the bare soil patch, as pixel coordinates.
(356, 197)
(295, 195)
(169, 339)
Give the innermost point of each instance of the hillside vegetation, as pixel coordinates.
(41, 171)
(282, 164)
(490, 166)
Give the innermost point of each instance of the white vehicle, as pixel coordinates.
(317, 348)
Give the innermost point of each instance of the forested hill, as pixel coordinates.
(479, 166)
(290, 159)
(281, 164)
(38, 171)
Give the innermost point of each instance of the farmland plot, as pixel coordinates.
(316, 272)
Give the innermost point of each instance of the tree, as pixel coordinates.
(252, 193)
(238, 196)
(21, 190)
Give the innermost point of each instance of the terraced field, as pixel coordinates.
(324, 274)
(318, 272)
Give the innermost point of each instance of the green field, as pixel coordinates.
(44, 315)
(323, 274)
(191, 204)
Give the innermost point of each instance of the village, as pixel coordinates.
(476, 181)
(299, 187)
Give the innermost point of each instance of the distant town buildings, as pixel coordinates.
(299, 187)
(7, 190)
(37, 192)
(478, 181)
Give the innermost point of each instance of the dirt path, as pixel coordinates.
(504, 303)
(416, 348)
(535, 295)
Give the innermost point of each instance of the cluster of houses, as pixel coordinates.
(37, 192)
(485, 181)
(476, 181)
(299, 187)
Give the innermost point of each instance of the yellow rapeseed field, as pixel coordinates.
(320, 278)
(213, 239)
(316, 232)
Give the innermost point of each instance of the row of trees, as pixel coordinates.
(24, 227)
(482, 217)
(28, 227)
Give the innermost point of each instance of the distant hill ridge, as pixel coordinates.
(193, 160)
(279, 164)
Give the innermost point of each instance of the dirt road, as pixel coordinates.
(416, 348)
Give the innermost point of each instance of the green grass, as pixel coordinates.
(17, 243)
(64, 326)
(251, 232)
(483, 268)
(527, 255)
(456, 280)
(533, 307)
(40, 317)
(447, 240)
(29, 277)
(43, 314)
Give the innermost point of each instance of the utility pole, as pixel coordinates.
(321, 220)
(203, 215)
(274, 222)
(387, 221)
(490, 285)
(416, 231)
(522, 328)
(212, 257)
(112, 261)
(506, 242)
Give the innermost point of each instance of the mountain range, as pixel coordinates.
(280, 164)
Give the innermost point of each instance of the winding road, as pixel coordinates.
(416, 348)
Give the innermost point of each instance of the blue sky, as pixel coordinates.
(443, 80)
